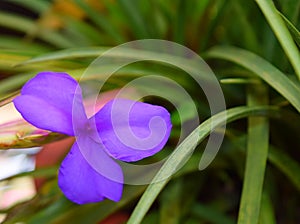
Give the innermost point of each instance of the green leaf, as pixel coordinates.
(101, 21)
(88, 32)
(89, 213)
(26, 26)
(280, 159)
(190, 66)
(180, 21)
(68, 54)
(295, 33)
(11, 42)
(239, 81)
(134, 18)
(51, 206)
(185, 148)
(216, 10)
(290, 8)
(266, 71)
(249, 33)
(37, 6)
(13, 82)
(267, 211)
(257, 152)
(8, 59)
(280, 30)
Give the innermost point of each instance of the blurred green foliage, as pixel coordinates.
(252, 48)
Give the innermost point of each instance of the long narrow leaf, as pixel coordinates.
(101, 21)
(267, 212)
(280, 159)
(281, 32)
(295, 33)
(187, 147)
(191, 66)
(26, 25)
(266, 71)
(135, 18)
(37, 6)
(257, 152)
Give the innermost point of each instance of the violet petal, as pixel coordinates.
(132, 130)
(88, 180)
(50, 101)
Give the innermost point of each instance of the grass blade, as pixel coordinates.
(267, 213)
(11, 42)
(89, 32)
(280, 30)
(249, 34)
(266, 71)
(280, 159)
(101, 21)
(257, 152)
(295, 33)
(135, 18)
(188, 65)
(180, 22)
(185, 148)
(26, 26)
(36, 6)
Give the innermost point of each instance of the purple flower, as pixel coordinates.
(123, 129)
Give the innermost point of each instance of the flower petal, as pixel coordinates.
(85, 176)
(132, 130)
(50, 101)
